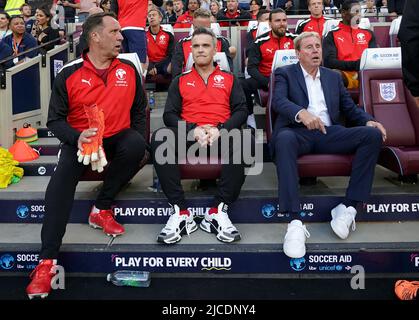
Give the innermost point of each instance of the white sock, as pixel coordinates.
(95, 210)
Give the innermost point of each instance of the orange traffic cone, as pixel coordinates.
(23, 152)
(27, 133)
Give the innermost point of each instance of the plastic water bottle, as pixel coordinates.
(129, 278)
(151, 100)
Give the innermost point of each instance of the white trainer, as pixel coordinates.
(295, 239)
(177, 225)
(342, 219)
(216, 221)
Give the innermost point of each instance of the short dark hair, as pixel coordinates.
(277, 10)
(209, 32)
(258, 2)
(94, 21)
(14, 18)
(347, 4)
(5, 14)
(261, 12)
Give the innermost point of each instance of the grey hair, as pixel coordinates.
(306, 34)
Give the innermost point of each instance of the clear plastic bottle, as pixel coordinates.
(129, 278)
(151, 100)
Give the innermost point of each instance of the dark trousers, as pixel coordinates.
(230, 182)
(290, 143)
(135, 41)
(250, 86)
(124, 150)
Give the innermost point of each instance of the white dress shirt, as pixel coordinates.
(316, 102)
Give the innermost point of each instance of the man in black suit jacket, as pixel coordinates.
(310, 101)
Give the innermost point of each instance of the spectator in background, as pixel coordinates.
(43, 32)
(13, 7)
(169, 14)
(185, 20)
(26, 11)
(232, 16)
(105, 5)
(179, 8)
(369, 8)
(283, 4)
(4, 25)
(343, 46)
(255, 6)
(202, 19)
(20, 40)
(70, 7)
(160, 44)
(215, 8)
(316, 20)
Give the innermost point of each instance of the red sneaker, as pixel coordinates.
(105, 220)
(41, 277)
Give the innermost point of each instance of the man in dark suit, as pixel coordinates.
(309, 101)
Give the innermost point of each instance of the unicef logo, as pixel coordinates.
(298, 264)
(284, 59)
(7, 261)
(22, 212)
(339, 267)
(268, 211)
(375, 56)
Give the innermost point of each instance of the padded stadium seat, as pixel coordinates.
(394, 30)
(263, 27)
(90, 175)
(309, 165)
(168, 28)
(281, 58)
(385, 96)
(328, 25)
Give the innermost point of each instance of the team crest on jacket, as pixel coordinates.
(388, 91)
(219, 81)
(162, 39)
(121, 76)
(361, 38)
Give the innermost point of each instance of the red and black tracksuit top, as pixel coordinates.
(312, 24)
(121, 98)
(219, 101)
(160, 46)
(132, 14)
(184, 47)
(225, 17)
(343, 47)
(261, 54)
(184, 21)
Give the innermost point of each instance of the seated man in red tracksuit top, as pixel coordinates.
(96, 96)
(203, 104)
(343, 46)
(160, 44)
(316, 21)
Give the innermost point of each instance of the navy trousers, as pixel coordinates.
(290, 143)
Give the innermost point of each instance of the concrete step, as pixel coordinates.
(384, 248)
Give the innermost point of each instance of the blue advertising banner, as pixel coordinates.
(244, 210)
(221, 262)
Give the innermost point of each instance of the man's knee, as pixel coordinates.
(285, 139)
(373, 136)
